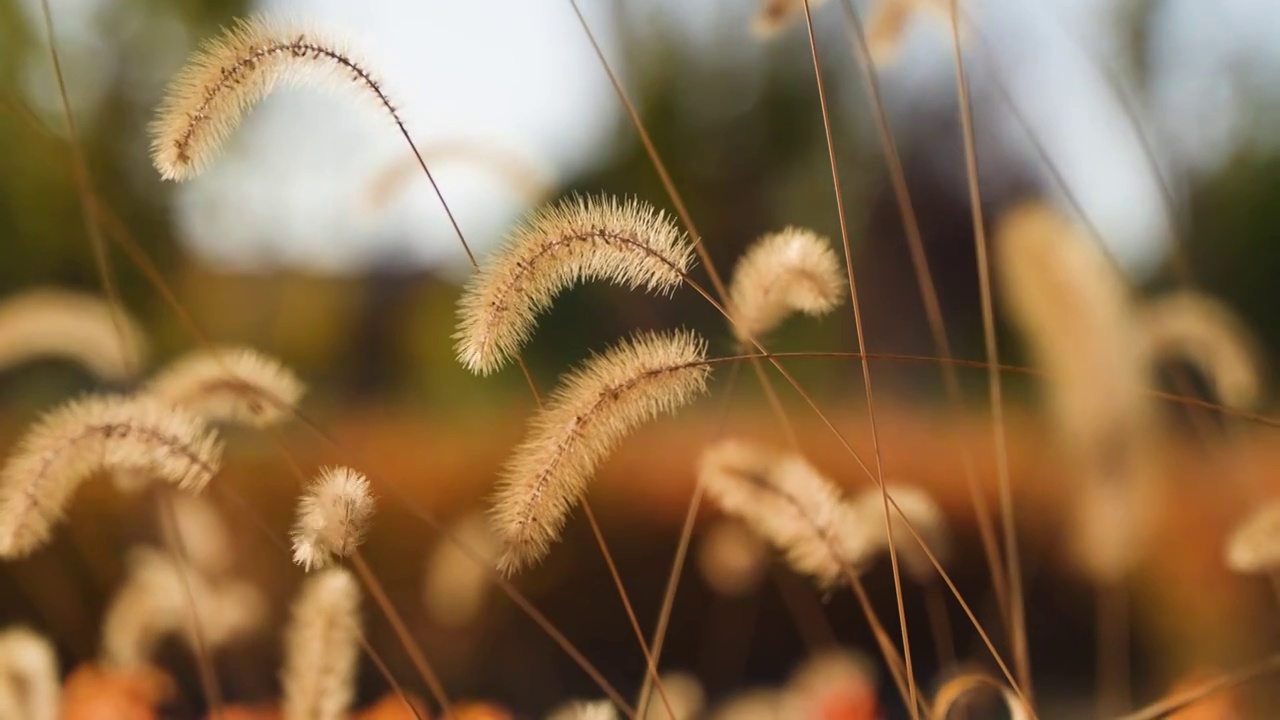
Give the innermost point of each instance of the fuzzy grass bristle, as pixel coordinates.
(332, 518)
(30, 682)
(580, 239)
(99, 433)
(154, 603)
(591, 411)
(233, 385)
(322, 647)
(1254, 544)
(791, 271)
(232, 72)
(791, 505)
(71, 325)
(1203, 331)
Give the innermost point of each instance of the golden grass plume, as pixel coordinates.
(332, 517)
(593, 408)
(790, 504)
(1254, 543)
(233, 385)
(454, 584)
(925, 517)
(791, 271)
(585, 710)
(79, 327)
(206, 542)
(98, 433)
(153, 603)
(773, 16)
(1203, 331)
(580, 239)
(30, 683)
(322, 647)
(230, 73)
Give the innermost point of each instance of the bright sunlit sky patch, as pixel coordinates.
(519, 75)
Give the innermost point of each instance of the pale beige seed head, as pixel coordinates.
(75, 326)
(786, 272)
(457, 582)
(153, 603)
(584, 710)
(232, 385)
(332, 518)
(923, 515)
(99, 433)
(775, 15)
(1254, 544)
(791, 505)
(230, 73)
(685, 695)
(581, 239)
(322, 647)
(592, 410)
(731, 558)
(206, 541)
(759, 704)
(30, 686)
(1202, 330)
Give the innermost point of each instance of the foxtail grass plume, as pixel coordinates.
(922, 514)
(1254, 544)
(206, 542)
(791, 271)
(592, 410)
(230, 73)
(233, 385)
(952, 694)
(75, 326)
(580, 710)
(580, 239)
(1076, 312)
(791, 505)
(773, 16)
(456, 583)
(890, 20)
(154, 604)
(322, 646)
(731, 559)
(30, 683)
(1203, 331)
(333, 516)
(99, 433)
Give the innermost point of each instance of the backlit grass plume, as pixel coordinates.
(233, 71)
(576, 240)
(322, 646)
(794, 270)
(1204, 332)
(925, 517)
(236, 385)
(333, 516)
(791, 505)
(30, 684)
(101, 433)
(154, 603)
(596, 406)
(1254, 544)
(74, 326)
(585, 710)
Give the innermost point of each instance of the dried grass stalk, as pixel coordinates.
(1254, 544)
(731, 558)
(791, 505)
(79, 327)
(333, 516)
(322, 646)
(234, 385)
(1076, 312)
(591, 411)
(154, 603)
(628, 243)
(95, 434)
(1203, 331)
(922, 513)
(230, 73)
(455, 586)
(30, 686)
(791, 271)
